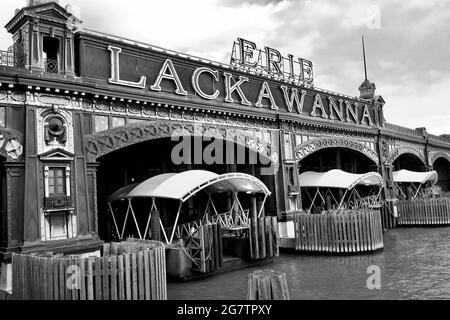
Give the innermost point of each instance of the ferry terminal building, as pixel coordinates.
(83, 114)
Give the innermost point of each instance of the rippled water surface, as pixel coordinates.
(415, 264)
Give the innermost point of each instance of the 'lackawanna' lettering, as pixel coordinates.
(294, 101)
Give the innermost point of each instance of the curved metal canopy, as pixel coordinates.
(415, 177)
(339, 179)
(182, 186)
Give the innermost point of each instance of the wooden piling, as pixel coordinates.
(424, 211)
(137, 273)
(344, 232)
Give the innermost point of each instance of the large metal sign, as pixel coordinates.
(285, 88)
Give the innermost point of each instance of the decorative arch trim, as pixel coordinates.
(103, 143)
(11, 144)
(440, 154)
(305, 149)
(403, 150)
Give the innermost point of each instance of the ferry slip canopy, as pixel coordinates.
(182, 186)
(339, 179)
(414, 177)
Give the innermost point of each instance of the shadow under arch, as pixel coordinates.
(330, 158)
(409, 161)
(442, 166)
(311, 146)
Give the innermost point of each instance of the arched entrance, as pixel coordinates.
(442, 166)
(410, 162)
(327, 159)
(138, 162)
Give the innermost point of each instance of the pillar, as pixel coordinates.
(91, 174)
(69, 60)
(13, 208)
(32, 195)
(36, 63)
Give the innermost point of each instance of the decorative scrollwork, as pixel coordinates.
(11, 144)
(313, 145)
(434, 155)
(105, 142)
(403, 149)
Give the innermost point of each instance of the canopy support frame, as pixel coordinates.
(114, 220)
(176, 222)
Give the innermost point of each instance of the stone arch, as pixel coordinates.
(407, 150)
(305, 149)
(11, 144)
(105, 142)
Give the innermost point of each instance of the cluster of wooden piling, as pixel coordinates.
(342, 232)
(211, 241)
(130, 270)
(264, 238)
(267, 285)
(424, 211)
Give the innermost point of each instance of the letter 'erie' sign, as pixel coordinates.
(271, 63)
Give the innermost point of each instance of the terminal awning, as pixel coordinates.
(406, 176)
(182, 186)
(343, 180)
(339, 179)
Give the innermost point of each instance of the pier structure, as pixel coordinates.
(83, 114)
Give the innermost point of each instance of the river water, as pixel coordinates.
(414, 264)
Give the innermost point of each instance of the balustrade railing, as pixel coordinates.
(13, 57)
(57, 202)
(51, 66)
(6, 59)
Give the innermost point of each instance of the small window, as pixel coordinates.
(118, 122)
(101, 123)
(2, 116)
(56, 182)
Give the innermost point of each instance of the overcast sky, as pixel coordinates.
(407, 42)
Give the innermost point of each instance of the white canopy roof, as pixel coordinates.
(182, 186)
(339, 179)
(415, 177)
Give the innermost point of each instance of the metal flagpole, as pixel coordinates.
(364, 57)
